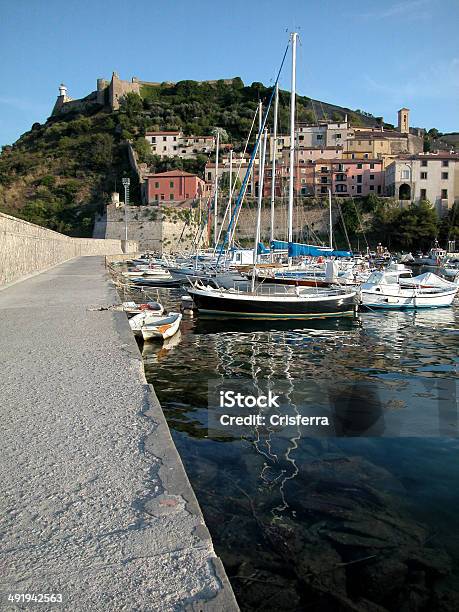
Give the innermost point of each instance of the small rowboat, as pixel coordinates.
(138, 321)
(162, 327)
(132, 308)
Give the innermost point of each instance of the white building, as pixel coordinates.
(176, 144)
(427, 176)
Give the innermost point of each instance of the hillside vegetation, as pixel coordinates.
(61, 173)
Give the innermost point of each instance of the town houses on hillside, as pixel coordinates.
(176, 144)
(336, 157)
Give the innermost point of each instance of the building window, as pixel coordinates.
(372, 177)
(156, 197)
(424, 175)
(157, 185)
(353, 156)
(171, 196)
(153, 139)
(424, 163)
(379, 188)
(171, 183)
(372, 187)
(319, 137)
(323, 169)
(337, 136)
(444, 176)
(301, 137)
(164, 138)
(341, 188)
(323, 179)
(359, 166)
(209, 176)
(405, 174)
(423, 194)
(323, 190)
(365, 155)
(164, 148)
(175, 138)
(359, 178)
(372, 166)
(444, 163)
(359, 188)
(162, 196)
(444, 194)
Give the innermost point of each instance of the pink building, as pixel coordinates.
(174, 186)
(349, 177)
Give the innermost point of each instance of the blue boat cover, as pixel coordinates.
(296, 249)
(262, 249)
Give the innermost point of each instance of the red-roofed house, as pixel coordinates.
(174, 186)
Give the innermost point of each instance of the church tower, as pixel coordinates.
(404, 120)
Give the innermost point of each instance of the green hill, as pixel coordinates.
(61, 173)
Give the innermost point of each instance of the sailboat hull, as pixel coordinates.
(258, 307)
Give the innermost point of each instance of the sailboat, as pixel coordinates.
(275, 301)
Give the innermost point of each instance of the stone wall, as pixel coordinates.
(151, 227)
(162, 232)
(26, 248)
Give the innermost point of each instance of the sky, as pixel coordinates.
(373, 55)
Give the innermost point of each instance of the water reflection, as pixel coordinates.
(363, 518)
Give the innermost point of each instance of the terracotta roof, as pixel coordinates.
(171, 173)
(341, 160)
(175, 133)
(378, 135)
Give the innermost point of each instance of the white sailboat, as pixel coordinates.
(276, 301)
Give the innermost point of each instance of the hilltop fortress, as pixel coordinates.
(108, 94)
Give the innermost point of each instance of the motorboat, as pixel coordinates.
(161, 327)
(387, 291)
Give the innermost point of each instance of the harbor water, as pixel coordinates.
(351, 517)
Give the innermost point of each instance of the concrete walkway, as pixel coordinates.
(95, 503)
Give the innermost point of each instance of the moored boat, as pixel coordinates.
(384, 290)
(161, 327)
(275, 303)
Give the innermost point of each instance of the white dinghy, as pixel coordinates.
(384, 290)
(161, 327)
(138, 321)
(133, 308)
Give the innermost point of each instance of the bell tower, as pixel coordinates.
(404, 120)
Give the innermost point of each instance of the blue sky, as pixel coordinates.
(373, 55)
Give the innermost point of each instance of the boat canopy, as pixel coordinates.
(296, 249)
(262, 249)
(381, 278)
(429, 279)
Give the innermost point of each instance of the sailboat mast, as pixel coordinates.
(292, 140)
(330, 218)
(260, 202)
(217, 147)
(273, 177)
(230, 187)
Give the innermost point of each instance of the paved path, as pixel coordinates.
(95, 503)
